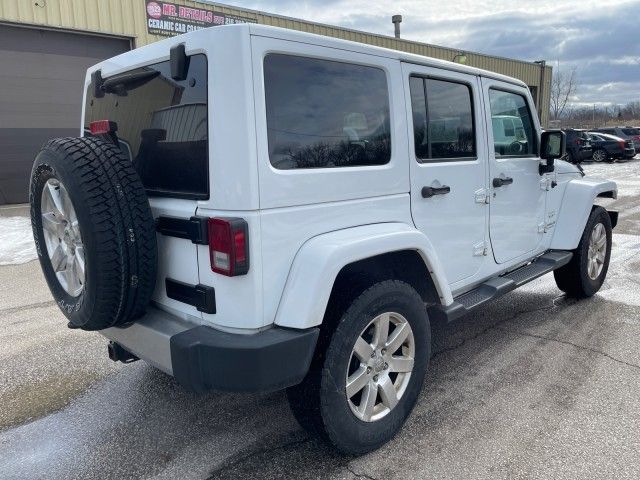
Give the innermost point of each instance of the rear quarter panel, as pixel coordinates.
(297, 205)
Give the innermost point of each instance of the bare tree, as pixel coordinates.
(563, 87)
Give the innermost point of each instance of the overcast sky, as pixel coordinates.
(601, 38)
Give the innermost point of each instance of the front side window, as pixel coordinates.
(325, 114)
(513, 132)
(161, 125)
(443, 127)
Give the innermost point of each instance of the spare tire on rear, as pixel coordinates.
(94, 232)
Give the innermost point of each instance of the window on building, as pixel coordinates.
(325, 114)
(512, 124)
(443, 126)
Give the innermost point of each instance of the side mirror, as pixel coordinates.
(553, 144)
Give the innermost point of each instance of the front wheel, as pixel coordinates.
(599, 155)
(585, 273)
(363, 387)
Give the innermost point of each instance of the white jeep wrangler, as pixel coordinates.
(251, 208)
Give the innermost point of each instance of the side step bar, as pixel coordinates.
(498, 286)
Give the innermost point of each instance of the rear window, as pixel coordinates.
(325, 114)
(162, 125)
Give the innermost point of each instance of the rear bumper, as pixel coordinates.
(202, 358)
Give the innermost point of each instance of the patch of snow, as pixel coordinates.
(623, 279)
(16, 241)
(625, 174)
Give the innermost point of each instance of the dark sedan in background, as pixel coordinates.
(610, 147)
(626, 133)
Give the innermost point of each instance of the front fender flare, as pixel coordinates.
(578, 199)
(320, 259)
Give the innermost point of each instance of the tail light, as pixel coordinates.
(622, 144)
(229, 246)
(102, 127)
(578, 141)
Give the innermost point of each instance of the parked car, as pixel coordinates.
(609, 147)
(578, 145)
(627, 133)
(298, 225)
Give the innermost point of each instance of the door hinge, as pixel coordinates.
(200, 296)
(480, 249)
(542, 228)
(194, 228)
(482, 196)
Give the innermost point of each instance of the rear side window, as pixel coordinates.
(631, 131)
(513, 133)
(443, 126)
(162, 125)
(325, 114)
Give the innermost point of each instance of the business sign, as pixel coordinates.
(170, 19)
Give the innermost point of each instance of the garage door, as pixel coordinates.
(41, 82)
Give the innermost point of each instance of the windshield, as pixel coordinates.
(161, 125)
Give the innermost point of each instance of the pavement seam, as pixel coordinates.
(360, 475)
(31, 306)
(566, 342)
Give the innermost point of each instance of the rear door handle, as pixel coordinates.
(499, 182)
(428, 192)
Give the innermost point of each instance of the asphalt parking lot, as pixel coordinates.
(532, 386)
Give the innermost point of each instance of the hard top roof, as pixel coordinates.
(304, 37)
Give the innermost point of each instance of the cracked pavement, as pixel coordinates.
(532, 386)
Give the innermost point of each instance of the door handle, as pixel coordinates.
(428, 192)
(500, 182)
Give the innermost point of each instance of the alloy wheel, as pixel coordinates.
(62, 237)
(599, 156)
(597, 251)
(380, 366)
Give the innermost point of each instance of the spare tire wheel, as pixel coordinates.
(94, 232)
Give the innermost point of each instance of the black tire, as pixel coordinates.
(320, 402)
(116, 227)
(573, 278)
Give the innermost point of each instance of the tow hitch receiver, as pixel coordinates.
(118, 353)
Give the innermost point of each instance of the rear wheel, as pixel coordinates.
(366, 379)
(585, 273)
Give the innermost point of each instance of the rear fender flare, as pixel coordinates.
(320, 259)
